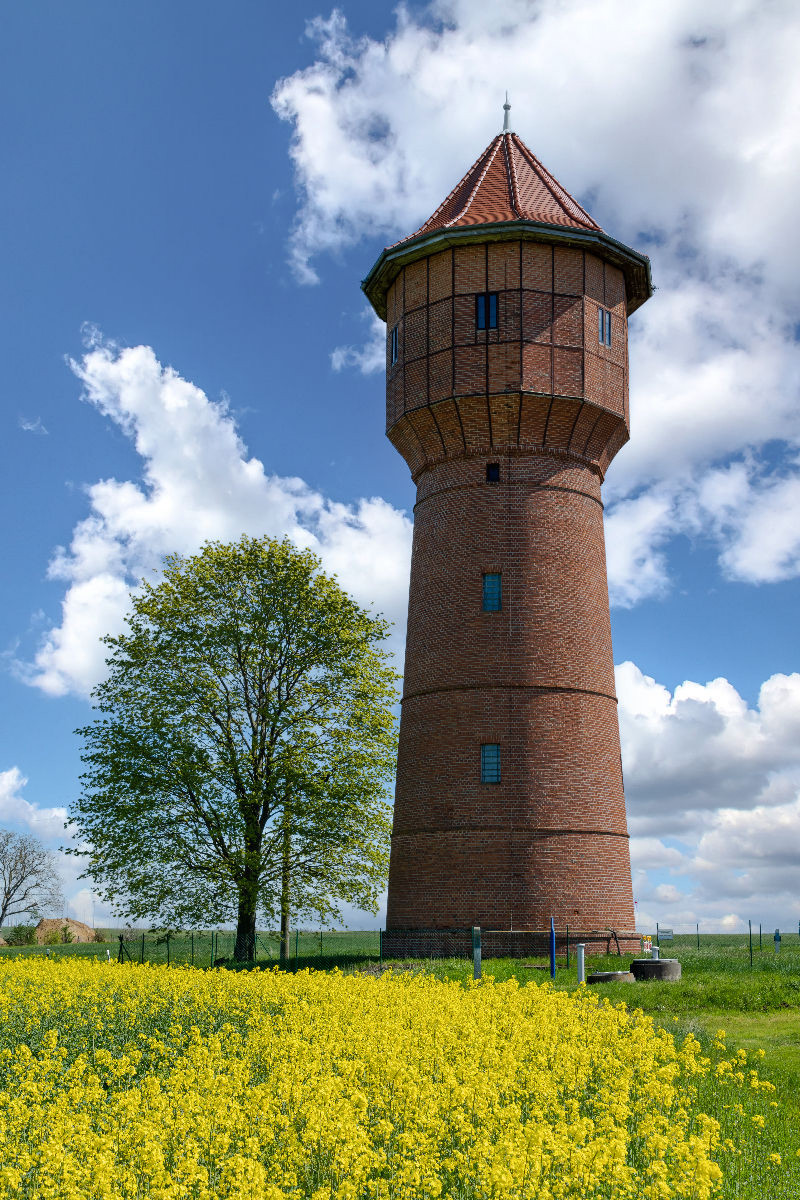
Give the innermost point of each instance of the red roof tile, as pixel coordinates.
(507, 183)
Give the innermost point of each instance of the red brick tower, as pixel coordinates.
(507, 395)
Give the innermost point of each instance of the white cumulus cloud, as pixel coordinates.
(713, 794)
(19, 814)
(197, 483)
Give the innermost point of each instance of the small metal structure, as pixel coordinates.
(581, 952)
(476, 952)
(506, 111)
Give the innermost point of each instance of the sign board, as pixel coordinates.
(666, 935)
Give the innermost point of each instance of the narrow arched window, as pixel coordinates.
(492, 593)
(486, 310)
(490, 763)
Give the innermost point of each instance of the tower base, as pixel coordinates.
(504, 943)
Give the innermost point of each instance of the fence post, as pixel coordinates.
(296, 946)
(141, 958)
(212, 947)
(759, 935)
(581, 950)
(380, 948)
(568, 947)
(167, 947)
(320, 943)
(698, 935)
(192, 949)
(552, 949)
(476, 952)
(658, 943)
(750, 928)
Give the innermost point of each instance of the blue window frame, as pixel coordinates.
(490, 763)
(603, 327)
(394, 345)
(486, 310)
(492, 593)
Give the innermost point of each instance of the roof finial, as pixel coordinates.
(506, 111)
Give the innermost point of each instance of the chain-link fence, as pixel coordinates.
(207, 948)
(339, 948)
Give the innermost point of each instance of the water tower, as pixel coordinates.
(507, 395)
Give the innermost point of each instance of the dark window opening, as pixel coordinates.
(486, 310)
(394, 345)
(493, 472)
(492, 593)
(603, 327)
(490, 763)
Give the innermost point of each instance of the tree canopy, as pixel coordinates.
(243, 746)
(29, 883)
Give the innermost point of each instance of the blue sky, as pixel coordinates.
(192, 193)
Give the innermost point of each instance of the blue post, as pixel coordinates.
(552, 949)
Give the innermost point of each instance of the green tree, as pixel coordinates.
(244, 743)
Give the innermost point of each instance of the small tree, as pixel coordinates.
(29, 883)
(244, 744)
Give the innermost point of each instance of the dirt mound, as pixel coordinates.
(48, 926)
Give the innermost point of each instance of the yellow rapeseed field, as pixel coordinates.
(137, 1081)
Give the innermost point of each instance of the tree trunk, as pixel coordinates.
(245, 948)
(285, 890)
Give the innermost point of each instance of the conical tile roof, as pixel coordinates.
(507, 183)
(508, 194)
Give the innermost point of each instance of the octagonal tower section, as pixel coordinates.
(507, 395)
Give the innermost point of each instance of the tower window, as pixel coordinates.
(490, 763)
(394, 345)
(492, 593)
(486, 310)
(603, 327)
(493, 472)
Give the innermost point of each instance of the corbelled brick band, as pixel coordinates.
(543, 400)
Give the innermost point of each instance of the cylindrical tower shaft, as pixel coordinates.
(532, 676)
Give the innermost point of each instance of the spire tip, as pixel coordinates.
(506, 111)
